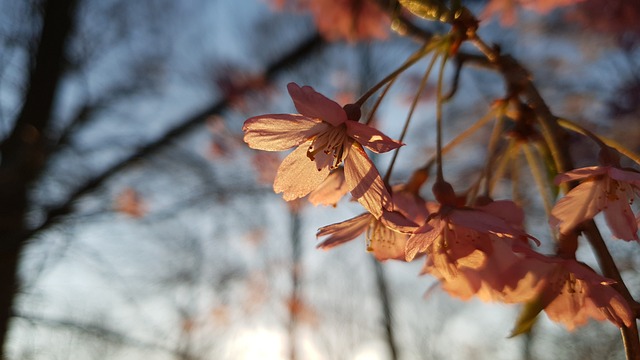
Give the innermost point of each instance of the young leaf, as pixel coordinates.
(527, 317)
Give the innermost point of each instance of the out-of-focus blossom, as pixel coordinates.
(266, 164)
(222, 141)
(604, 188)
(618, 17)
(130, 202)
(507, 9)
(234, 82)
(350, 20)
(325, 136)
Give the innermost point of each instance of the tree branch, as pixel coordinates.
(54, 215)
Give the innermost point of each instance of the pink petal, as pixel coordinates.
(620, 219)
(385, 243)
(481, 222)
(277, 132)
(343, 231)
(365, 182)
(581, 173)
(590, 296)
(410, 205)
(332, 189)
(580, 204)
(297, 175)
(396, 221)
(371, 138)
(315, 105)
(627, 176)
(506, 210)
(423, 237)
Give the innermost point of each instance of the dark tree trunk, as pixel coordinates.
(23, 151)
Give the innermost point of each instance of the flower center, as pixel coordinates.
(331, 142)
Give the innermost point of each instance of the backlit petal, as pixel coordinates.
(580, 204)
(396, 221)
(506, 210)
(581, 173)
(423, 237)
(277, 132)
(343, 231)
(627, 176)
(297, 175)
(621, 221)
(388, 245)
(315, 105)
(479, 221)
(332, 189)
(365, 182)
(371, 138)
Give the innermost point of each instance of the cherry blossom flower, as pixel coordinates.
(575, 293)
(464, 229)
(569, 292)
(385, 237)
(507, 273)
(604, 188)
(325, 136)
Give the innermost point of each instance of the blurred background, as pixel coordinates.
(144, 228)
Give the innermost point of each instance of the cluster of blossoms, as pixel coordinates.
(474, 245)
(475, 248)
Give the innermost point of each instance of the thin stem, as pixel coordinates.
(379, 101)
(601, 140)
(460, 137)
(567, 124)
(414, 103)
(440, 176)
(537, 172)
(498, 172)
(493, 144)
(410, 61)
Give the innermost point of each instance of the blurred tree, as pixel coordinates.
(24, 148)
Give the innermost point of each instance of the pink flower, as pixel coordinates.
(464, 229)
(505, 273)
(508, 8)
(350, 19)
(325, 137)
(574, 293)
(386, 237)
(605, 188)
